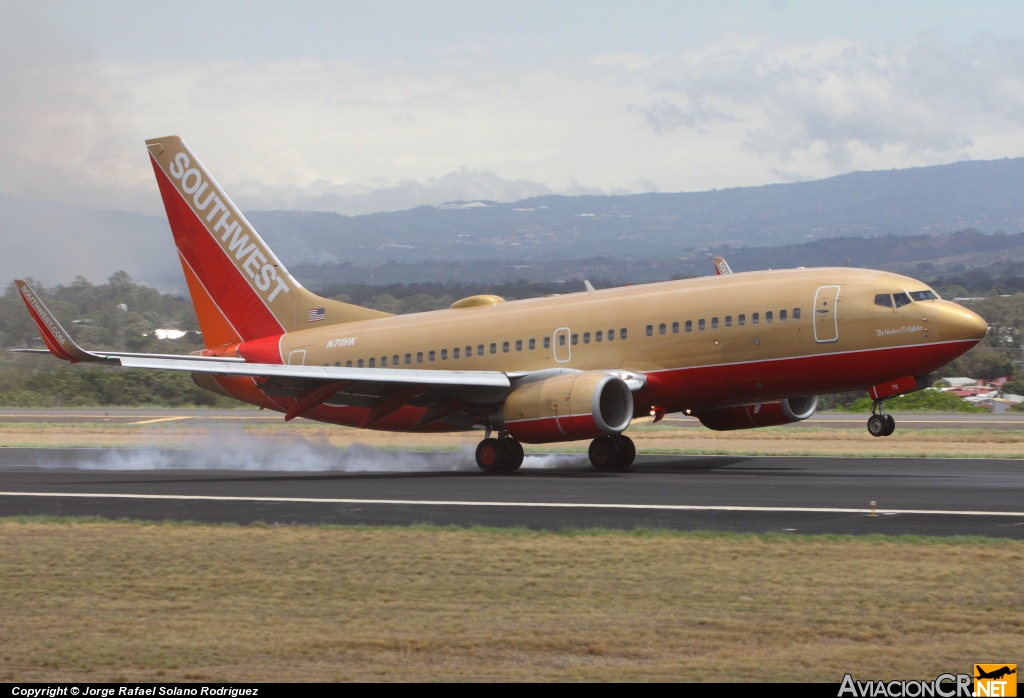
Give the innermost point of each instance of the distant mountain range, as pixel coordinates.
(642, 236)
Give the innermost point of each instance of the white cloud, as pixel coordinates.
(384, 134)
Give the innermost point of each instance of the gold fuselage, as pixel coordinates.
(828, 312)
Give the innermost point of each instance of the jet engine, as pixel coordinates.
(567, 407)
(770, 414)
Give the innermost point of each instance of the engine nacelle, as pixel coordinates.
(567, 407)
(793, 409)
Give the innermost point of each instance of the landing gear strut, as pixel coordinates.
(880, 423)
(501, 455)
(612, 452)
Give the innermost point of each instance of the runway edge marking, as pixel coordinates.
(547, 505)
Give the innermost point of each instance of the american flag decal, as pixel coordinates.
(317, 314)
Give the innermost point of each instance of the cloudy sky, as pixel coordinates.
(357, 106)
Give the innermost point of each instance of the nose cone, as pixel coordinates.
(958, 323)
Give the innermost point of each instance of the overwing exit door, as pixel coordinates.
(563, 351)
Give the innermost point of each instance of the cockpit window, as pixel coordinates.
(901, 299)
(923, 295)
(884, 300)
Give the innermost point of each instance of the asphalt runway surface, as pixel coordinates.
(810, 495)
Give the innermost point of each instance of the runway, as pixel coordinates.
(717, 493)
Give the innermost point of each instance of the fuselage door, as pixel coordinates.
(826, 320)
(297, 357)
(563, 351)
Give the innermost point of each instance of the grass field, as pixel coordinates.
(135, 602)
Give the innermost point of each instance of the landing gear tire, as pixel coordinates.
(880, 423)
(611, 453)
(489, 455)
(513, 455)
(876, 425)
(499, 455)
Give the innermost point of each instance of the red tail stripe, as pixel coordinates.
(227, 286)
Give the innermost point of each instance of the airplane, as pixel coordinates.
(995, 673)
(734, 350)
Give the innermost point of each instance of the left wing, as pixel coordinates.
(382, 390)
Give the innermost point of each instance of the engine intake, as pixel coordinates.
(567, 407)
(786, 411)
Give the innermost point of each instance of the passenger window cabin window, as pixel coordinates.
(455, 353)
(623, 333)
(782, 316)
(586, 338)
(444, 355)
(741, 320)
(338, 364)
(599, 335)
(408, 359)
(383, 361)
(561, 340)
(728, 320)
(373, 363)
(689, 325)
(650, 330)
(714, 323)
(494, 348)
(575, 339)
(394, 360)
(504, 347)
(884, 300)
(611, 335)
(480, 350)
(469, 351)
(359, 364)
(755, 318)
(431, 356)
(768, 316)
(796, 313)
(700, 324)
(901, 299)
(547, 342)
(519, 345)
(675, 328)
(661, 328)
(533, 344)
(419, 357)
(348, 364)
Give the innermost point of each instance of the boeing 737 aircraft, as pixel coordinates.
(733, 350)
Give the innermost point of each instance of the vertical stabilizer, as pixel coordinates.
(240, 290)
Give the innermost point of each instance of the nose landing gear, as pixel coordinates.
(880, 423)
(612, 452)
(501, 455)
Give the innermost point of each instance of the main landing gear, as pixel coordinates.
(880, 423)
(505, 454)
(612, 452)
(501, 455)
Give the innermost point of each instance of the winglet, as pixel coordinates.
(57, 340)
(722, 267)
